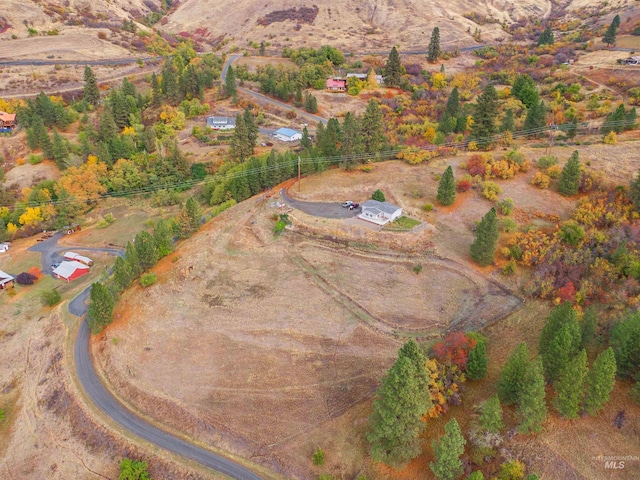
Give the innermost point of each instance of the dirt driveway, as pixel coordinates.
(320, 209)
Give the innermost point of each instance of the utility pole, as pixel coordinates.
(298, 173)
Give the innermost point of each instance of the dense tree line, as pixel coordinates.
(139, 256)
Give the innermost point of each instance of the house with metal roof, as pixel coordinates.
(6, 280)
(287, 134)
(221, 123)
(70, 270)
(380, 213)
(78, 258)
(336, 85)
(365, 76)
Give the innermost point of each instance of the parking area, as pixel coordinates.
(321, 209)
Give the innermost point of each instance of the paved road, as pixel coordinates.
(101, 397)
(264, 99)
(127, 419)
(60, 61)
(319, 209)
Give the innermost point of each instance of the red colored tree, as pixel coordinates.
(454, 349)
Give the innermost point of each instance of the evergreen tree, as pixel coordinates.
(546, 37)
(615, 121)
(252, 130)
(305, 141)
(393, 69)
(230, 87)
(447, 452)
(560, 340)
(511, 379)
(297, 99)
(634, 191)
(122, 273)
(630, 119)
(108, 128)
(351, 142)
(194, 212)
(524, 89)
(45, 143)
(625, 341)
(131, 256)
(570, 177)
(331, 139)
(239, 144)
(310, 103)
(146, 250)
(477, 475)
(477, 362)
(588, 327)
(447, 188)
(91, 90)
(119, 108)
(434, 50)
(372, 128)
(396, 422)
(100, 311)
(60, 150)
(128, 88)
(170, 88)
(508, 122)
(570, 386)
(486, 238)
(163, 238)
(262, 48)
(600, 381)
(156, 91)
(490, 419)
(609, 36)
(532, 408)
(378, 195)
(536, 119)
(413, 352)
(484, 118)
(133, 470)
(453, 103)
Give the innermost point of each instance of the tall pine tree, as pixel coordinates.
(230, 87)
(447, 452)
(91, 90)
(396, 422)
(372, 128)
(393, 69)
(484, 126)
(100, 311)
(490, 419)
(512, 377)
(532, 408)
(447, 188)
(570, 176)
(484, 246)
(600, 381)
(59, 150)
(434, 50)
(570, 386)
(477, 362)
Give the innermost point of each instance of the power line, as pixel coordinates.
(363, 157)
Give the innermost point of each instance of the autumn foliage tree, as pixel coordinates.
(454, 349)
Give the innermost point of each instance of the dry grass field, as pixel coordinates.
(271, 347)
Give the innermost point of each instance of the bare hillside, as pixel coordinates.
(354, 26)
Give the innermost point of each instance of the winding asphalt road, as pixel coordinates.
(100, 396)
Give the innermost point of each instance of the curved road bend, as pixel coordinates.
(136, 425)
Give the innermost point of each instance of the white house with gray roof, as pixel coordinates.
(380, 213)
(221, 123)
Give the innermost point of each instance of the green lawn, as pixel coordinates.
(402, 223)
